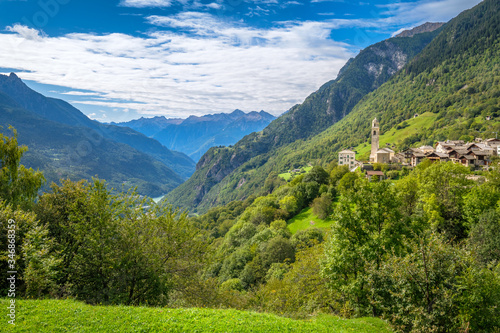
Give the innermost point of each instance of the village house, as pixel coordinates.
(414, 156)
(347, 157)
(379, 174)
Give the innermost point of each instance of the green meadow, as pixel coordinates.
(72, 316)
(306, 219)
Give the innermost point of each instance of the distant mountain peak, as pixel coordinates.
(12, 79)
(426, 27)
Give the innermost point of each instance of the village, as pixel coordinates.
(477, 154)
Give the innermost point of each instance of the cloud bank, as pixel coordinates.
(212, 67)
(198, 63)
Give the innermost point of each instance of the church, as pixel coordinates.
(377, 155)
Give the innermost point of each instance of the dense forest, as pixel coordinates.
(420, 249)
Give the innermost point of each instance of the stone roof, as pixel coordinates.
(459, 151)
(382, 151)
(467, 157)
(480, 153)
(347, 151)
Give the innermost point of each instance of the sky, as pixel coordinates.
(118, 60)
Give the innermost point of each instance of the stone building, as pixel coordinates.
(347, 157)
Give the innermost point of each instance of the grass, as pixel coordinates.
(394, 136)
(303, 221)
(288, 175)
(73, 316)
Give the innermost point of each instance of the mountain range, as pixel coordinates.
(450, 74)
(64, 143)
(195, 135)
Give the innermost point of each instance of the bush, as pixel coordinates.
(322, 206)
(436, 287)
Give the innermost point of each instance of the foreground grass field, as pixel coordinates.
(73, 316)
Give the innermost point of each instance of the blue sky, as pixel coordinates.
(118, 60)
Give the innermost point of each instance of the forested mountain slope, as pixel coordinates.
(456, 77)
(62, 112)
(334, 100)
(64, 143)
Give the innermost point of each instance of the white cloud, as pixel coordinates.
(25, 32)
(218, 67)
(79, 93)
(145, 3)
(426, 11)
(193, 4)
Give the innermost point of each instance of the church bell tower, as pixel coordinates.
(375, 138)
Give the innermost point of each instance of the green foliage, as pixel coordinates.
(114, 251)
(347, 181)
(442, 190)
(318, 175)
(322, 206)
(301, 291)
(484, 238)
(24, 222)
(18, 184)
(232, 284)
(307, 238)
(368, 225)
(42, 264)
(435, 288)
(337, 173)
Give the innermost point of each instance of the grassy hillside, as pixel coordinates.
(305, 220)
(72, 316)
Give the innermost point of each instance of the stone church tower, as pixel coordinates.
(375, 138)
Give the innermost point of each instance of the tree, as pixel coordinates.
(322, 206)
(301, 290)
(289, 204)
(368, 225)
(442, 189)
(435, 287)
(23, 222)
(118, 249)
(318, 175)
(346, 183)
(337, 173)
(42, 264)
(18, 184)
